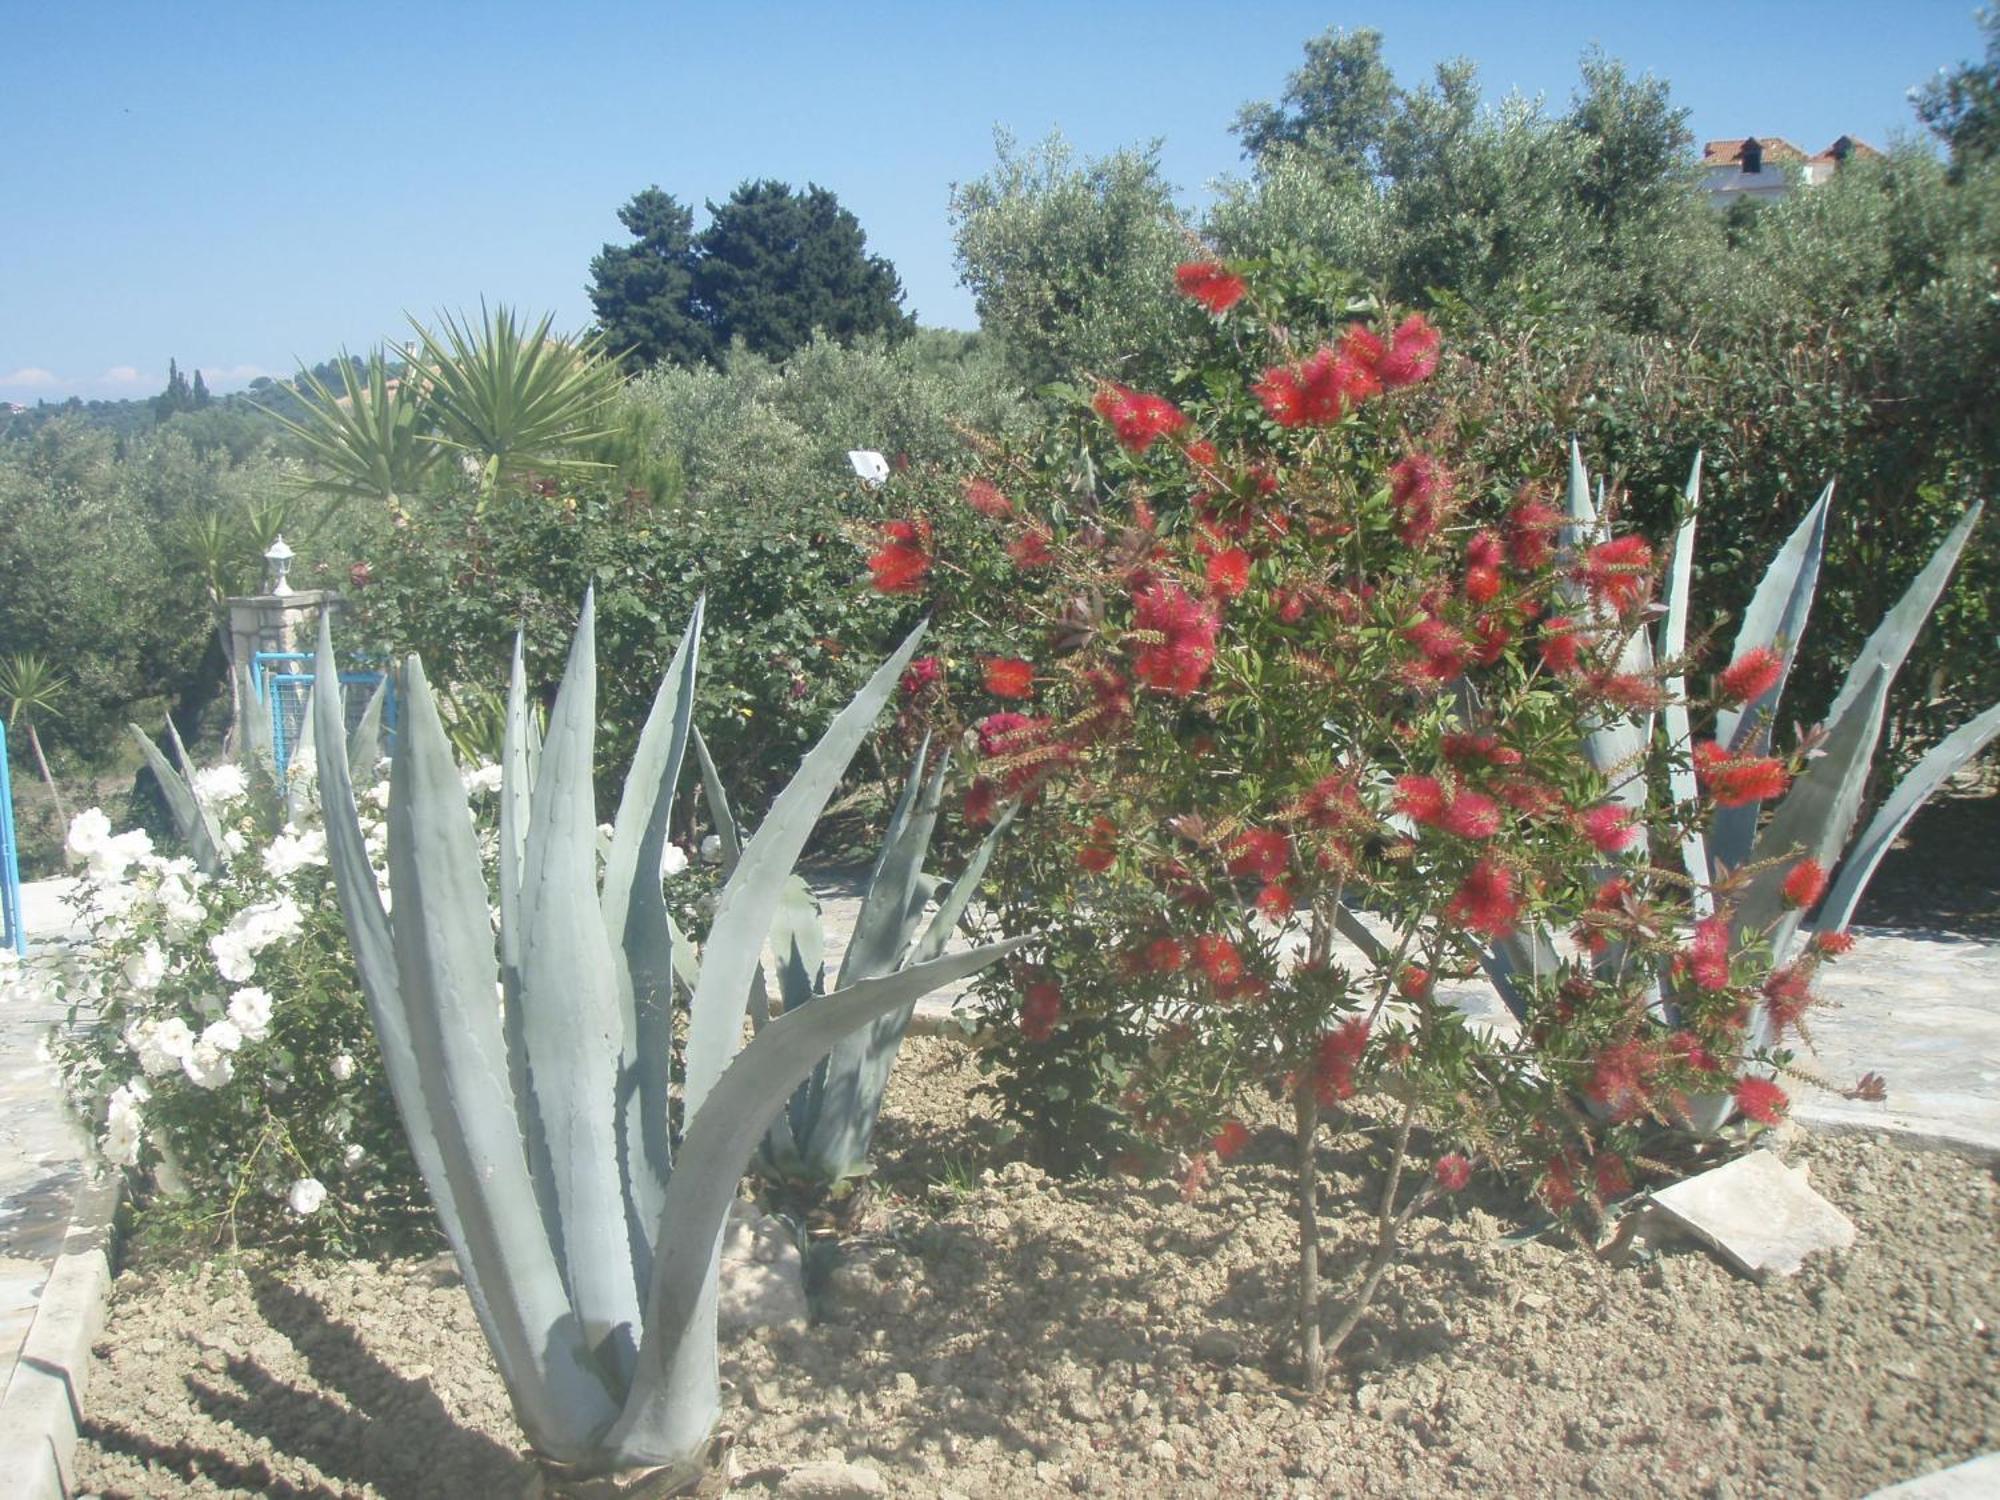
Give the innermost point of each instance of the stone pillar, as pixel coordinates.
(275, 622)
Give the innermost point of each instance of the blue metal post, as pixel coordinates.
(10, 866)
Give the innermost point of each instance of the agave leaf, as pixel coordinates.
(192, 821)
(1925, 777)
(726, 832)
(640, 930)
(1680, 738)
(364, 746)
(445, 972)
(576, 1024)
(1816, 815)
(1358, 934)
(952, 904)
(1892, 639)
(799, 945)
(750, 898)
(846, 1091)
(297, 799)
(1516, 962)
(1581, 527)
(1776, 619)
(676, 1398)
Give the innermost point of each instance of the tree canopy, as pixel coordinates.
(773, 265)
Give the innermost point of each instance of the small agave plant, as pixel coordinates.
(824, 1132)
(276, 804)
(587, 1226)
(1739, 850)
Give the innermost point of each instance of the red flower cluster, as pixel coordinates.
(987, 500)
(1621, 1080)
(1334, 1063)
(920, 674)
(1833, 944)
(1219, 961)
(1531, 527)
(1804, 884)
(1031, 548)
(1230, 1139)
(1443, 652)
(1229, 573)
(1009, 677)
(1420, 490)
(898, 566)
(1705, 960)
(1787, 997)
(1486, 901)
(1739, 780)
(1618, 574)
(1179, 639)
(1609, 827)
(1750, 676)
(1138, 419)
(1761, 1100)
(1453, 1172)
(1099, 851)
(1041, 1009)
(1482, 568)
(1210, 284)
(1562, 648)
(1468, 814)
(1262, 852)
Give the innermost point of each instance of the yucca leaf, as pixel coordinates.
(577, 1027)
(446, 972)
(1891, 641)
(1930, 773)
(749, 899)
(676, 1397)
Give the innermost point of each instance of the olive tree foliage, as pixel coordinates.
(1336, 108)
(1071, 262)
(1961, 106)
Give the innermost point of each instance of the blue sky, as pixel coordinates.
(238, 186)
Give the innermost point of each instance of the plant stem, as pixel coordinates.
(1388, 1234)
(62, 815)
(1306, 1130)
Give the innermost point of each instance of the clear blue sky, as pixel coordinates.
(238, 185)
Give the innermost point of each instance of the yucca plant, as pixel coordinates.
(33, 689)
(371, 440)
(1740, 851)
(824, 1132)
(587, 1225)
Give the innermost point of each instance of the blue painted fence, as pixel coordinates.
(11, 935)
(283, 684)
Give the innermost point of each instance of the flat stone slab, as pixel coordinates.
(1975, 1479)
(1760, 1215)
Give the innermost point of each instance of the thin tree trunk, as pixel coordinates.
(1306, 1132)
(62, 814)
(1388, 1234)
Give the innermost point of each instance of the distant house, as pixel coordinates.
(1761, 168)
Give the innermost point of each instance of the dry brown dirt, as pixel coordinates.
(1007, 1334)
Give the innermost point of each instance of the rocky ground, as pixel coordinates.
(1002, 1334)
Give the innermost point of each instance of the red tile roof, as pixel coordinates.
(1730, 153)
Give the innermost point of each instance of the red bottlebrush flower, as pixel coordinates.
(1739, 780)
(1275, 900)
(1218, 959)
(920, 674)
(981, 800)
(1230, 1139)
(1229, 573)
(1334, 1063)
(1009, 677)
(1201, 453)
(1288, 605)
(1557, 1189)
(1609, 827)
(1178, 661)
(1482, 568)
(1531, 528)
(1687, 1046)
(1561, 648)
(1263, 852)
(1478, 750)
(898, 566)
(1360, 356)
(1452, 1172)
(1041, 1009)
(1787, 997)
(1627, 690)
(1761, 1100)
(1621, 1080)
(987, 500)
(1420, 489)
(1166, 956)
(1750, 676)
(1031, 548)
(1486, 902)
(1210, 284)
(1619, 573)
(1834, 944)
(1804, 884)
(1471, 815)
(1420, 798)
(1608, 1170)
(1283, 395)
(1007, 733)
(1099, 851)
(1443, 652)
(1138, 419)
(1412, 354)
(1413, 983)
(1705, 960)
(1333, 803)
(1489, 640)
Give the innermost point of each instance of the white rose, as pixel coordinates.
(287, 854)
(161, 1045)
(124, 1130)
(218, 784)
(342, 1067)
(481, 779)
(89, 831)
(145, 969)
(673, 860)
(222, 1035)
(250, 1009)
(306, 1195)
(110, 859)
(352, 1157)
(207, 1065)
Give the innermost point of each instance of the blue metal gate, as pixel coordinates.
(283, 684)
(11, 935)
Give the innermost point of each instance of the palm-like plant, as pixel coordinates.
(372, 441)
(518, 402)
(32, 689)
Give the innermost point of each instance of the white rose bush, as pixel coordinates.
(217, 1042)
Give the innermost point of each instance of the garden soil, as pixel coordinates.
(1008, 1334)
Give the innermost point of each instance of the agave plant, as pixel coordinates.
(587, 1227)
(824, 1133)
(1817, 816)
